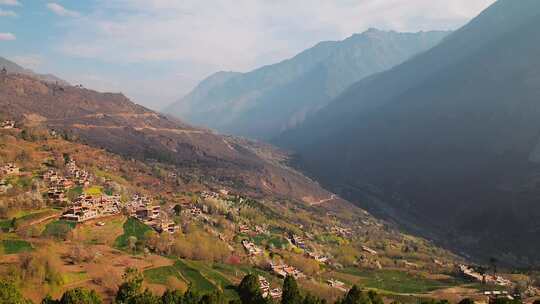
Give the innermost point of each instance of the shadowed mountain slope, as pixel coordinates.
(446, 142)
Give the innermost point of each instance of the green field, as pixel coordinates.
(16, 246)
(395, 281)
(159, 275)
(132, 227)
(197, 281)
(199, 275)
(58, 229)
(213, 274)
(24, 217)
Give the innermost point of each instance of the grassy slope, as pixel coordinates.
(132, 227)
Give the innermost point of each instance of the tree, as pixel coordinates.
(356, 296)
(131, 287)
(310, 299)
(375, 297)
(9, 294)
(146, 297)
(291, 293)
(80, 296)
(466, 301)
(191, 297)
(172, 297)
(177, 209)
(249, 290)
(212, 298)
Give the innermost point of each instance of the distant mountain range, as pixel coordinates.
(447, 142)
(264, 102)
(12, 67)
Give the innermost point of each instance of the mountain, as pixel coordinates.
(240, 103)
(446, 142)
(12, 67)
(113, 122)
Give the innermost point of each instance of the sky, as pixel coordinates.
(156, 51)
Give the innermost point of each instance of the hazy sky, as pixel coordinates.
(155, 51)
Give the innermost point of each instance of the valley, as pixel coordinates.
(216, 235)
(328, 161)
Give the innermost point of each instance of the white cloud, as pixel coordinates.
(61, 11)
(10, 2)
(239, 36)
(31, 61)
(196, 38)
(7, 36)
(4, 13)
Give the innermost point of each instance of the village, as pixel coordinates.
(86, 199)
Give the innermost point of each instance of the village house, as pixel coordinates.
(251, 248)
(7, 124)
(342, 232)
(336, 284)
(243, 228)
(472, 274)
(194, 211)
(88, 207)
(276, 293)
(317, 257)
(165, 225)
(141, 208)
(81, 177)
(9, 169)
(148, 212)
(284, 270)
(264, 285)
(298, 242)
(369, 250)
(260, 230)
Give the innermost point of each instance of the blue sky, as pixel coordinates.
(155, 51)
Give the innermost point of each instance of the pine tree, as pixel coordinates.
(291, 293)
(80, 296)
(249, 290)
(355, 296)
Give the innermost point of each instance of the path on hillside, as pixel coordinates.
(331, 198)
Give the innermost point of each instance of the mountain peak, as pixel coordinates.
(297, 87)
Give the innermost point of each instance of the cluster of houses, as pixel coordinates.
(369, 250)
(267, 291)
(342, 232)
(298, 241)
(58, 186)
(87, 207)
(141, 208)
(284, 270)
(317, 257)
(6, 170)
(474, 275)
(9, 169)
(7, 124)
(80, 176)
(251, 248)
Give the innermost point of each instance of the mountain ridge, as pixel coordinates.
(12, 67)
(449, 147)
(297, 87)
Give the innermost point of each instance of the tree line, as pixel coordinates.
(131, 291)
